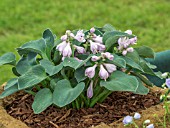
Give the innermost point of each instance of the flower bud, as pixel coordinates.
(64, 38)
(124, 52)
(95, 58)
(101, 47)
(80, 50)
(72, 35)
(90, 72)
(130, 49)
(127, 120)
(103, 73)
(68, 32)
(147, 121)
(61, 46)
(93, 47)
(90, 90)
(165, 75)
(137, 116)
(133, 40)
(128, 32)
(92, 30)
(110, 67)
(107, 55)
(67, 52)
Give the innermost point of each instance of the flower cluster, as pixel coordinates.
(130, 120)
(125, 43)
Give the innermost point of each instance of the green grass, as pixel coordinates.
(22, 21)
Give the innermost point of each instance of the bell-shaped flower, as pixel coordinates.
(64, 38)
(168, 83)
(123, 42)
(133, 40)
(128, 32)
(80, 36)
(103, 73)
(124, 52)
(101, 47)
(137, 116)
(95, 58)
(110, 67)
(93, 47)
(90, 72)
(80, 50)
(130, 49)
(127, 120)
(92, 30)
(90, 90)
(108, 55)
(67, 52)
(61, 46)
(98, 39)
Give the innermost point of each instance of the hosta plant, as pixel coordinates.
(80, 68)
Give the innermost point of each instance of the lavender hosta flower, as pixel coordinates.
(80, 36)
(150, 126)
(168, 83)
(108, 55)
(93, 47)
(133, 40)
(90, 90)
(98, 39)
(137, 116)
(103, 73)
(101, 47)
(92, 30)
(124, 52)
(128, 32)
(90, 72)
(127, 120)
(61, 46)
(80, 50)
(123, 42)
(130, 49)
(67, 52)
(64, 38)
(110, 67)
(95, 58)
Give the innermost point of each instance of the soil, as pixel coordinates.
(116, 106)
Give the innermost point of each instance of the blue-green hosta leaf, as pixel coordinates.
(142, 90)
(120, 81)
(9, 91)
(64, 94)
(110, 38)
(34, 76)
(49, 40)
(50, 68)
(8, 58)
(145, 52)
(145, 67)
(80, 74)
(118, 61)
(37, 46)
(133, 56)
(26, 62)
(108, 28)
(132, 64)
(73, 63)
(42, 100)
(11, 83)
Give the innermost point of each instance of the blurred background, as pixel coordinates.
(25, 20)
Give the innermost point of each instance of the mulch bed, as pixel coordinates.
(116, 106)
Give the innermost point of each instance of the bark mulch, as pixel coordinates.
(116, 106)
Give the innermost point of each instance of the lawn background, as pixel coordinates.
(25, 20)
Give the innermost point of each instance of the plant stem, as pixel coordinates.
(77, 104)
(146, 81)
(63, 74)
(136, 126)
(85, 101)
(30, 92)
(128, 70)
(98, 98)
(104, 97)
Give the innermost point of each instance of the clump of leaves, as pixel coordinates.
(80, 69)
